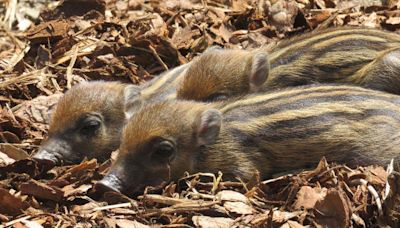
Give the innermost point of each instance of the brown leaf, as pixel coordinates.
(391, 205)
(5, 160)
(38, 110)
(228, 195)
(318, 17)
(71, 190)
(376, 175)
(371, 21)
(238, 208)
(43, 57)
(393, 21)
(283, 13)
(308, 196)
(69, 8)
(212, 222)
(183, 37)
(22, 166)
(17, 128)
(283, 216)
(52, 30)
(225, 32)
(9, 137)
(91, 164)
(110, 222)
(3, 218)
(10, 204)
(124, 223)
(321, 168)
(31, 224)
(293, 224)
(86, 208)
(158, 25)
(42, 191)
(334, 210)
(13, 152)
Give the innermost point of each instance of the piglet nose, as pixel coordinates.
(110, 183)
(45, 158)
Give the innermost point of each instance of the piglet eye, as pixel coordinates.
(164, 151)
(217, 97)
(89, 128)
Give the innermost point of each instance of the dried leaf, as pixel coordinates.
(293, 224)
(227, 195)
(38, 110)
(22, 166)
(13, 152)
(53, 30)
(31, 224)
(5, 160)
(10, 204)
(334, 210)
(68, 8)
(124, 223)
(393, 21)
(376, 175)
(238, 208)
(71, 190)
(307, 197)
(42, 191)
(211, 222)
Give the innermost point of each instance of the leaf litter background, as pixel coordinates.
(48, 46)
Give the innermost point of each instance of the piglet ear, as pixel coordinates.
(132, 101)
(208, 127)
(259, 71)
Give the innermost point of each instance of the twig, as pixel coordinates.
(171, 19)
(198, 175)
(15, 221)
(16, 58)
(58, 224)
(216, 182)
(389, 170)
(11, 12)
(14, 39)
(71, 65)
(113, 206)
(175, 225)
(329, 170)
(11, 113)
(87, 29)
(28, 78)
(358, 220)
(84, 45)
(277, 179)
(55, 84)
(374, 194)
(182, 208)
(160, 61)
(197, 195)
(164, 199)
